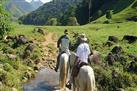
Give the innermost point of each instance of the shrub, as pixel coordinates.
(3, 75)
(4, 22)
(8, 50)
(109, 14)
(7, 67)
(72, 21)
(52, 22)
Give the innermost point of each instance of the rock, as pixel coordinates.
(14, 89)
(97, 29)
(113, 39)
(15, 66)
(0, 83)
(117, 50)
(30, 47)
(96, 57)
(37, 61)
(1, 65)
(9, 37)
(28, 75)
(133, 19)
(121, 89)
(109, 43)
(26, 54)
(130, 38)
(21, 39)
(11, 56)
(40, 31)
(36, 68)
(135, 59)
(118, 26)
(110, 59)
(114, 74)
(132, 67)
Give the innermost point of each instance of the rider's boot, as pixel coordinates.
(68, 85)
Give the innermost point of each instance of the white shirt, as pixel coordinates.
(83, 52)
(65, 45)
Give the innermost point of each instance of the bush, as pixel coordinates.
(8, 50)
(4, 22)
(72, 21)
(3, 75)
(7, 67)
(109, 14)
(52, 22)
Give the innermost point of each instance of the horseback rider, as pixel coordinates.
(63, 44)
(82, 53)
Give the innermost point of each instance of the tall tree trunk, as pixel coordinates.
(89, 10)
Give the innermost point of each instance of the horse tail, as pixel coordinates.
(63, 72)
(91, 81)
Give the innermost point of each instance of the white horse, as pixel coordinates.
(64, 65)
(85, 81)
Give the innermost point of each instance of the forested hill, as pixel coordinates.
(53, 9)
(36, 4)
(17, 8)
(72, 12)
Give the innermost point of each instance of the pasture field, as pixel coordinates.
(98, 35)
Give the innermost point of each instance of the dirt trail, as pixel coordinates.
(50, 50)
(46, 79)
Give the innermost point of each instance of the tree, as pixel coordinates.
(52, 21)
(69, 13)
(109, 14)
(72, 21)
(4, 21)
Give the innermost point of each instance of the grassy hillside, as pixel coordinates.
(14, 72)
(123, 10)
(98, 35)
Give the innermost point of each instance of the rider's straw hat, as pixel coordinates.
(83, 37)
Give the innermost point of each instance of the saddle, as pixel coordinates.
(76, 69)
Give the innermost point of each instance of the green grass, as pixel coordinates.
(122, 10)
(98, 35)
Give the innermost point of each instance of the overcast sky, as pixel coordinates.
(41, 0)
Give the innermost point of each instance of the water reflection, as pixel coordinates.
(46, 80)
